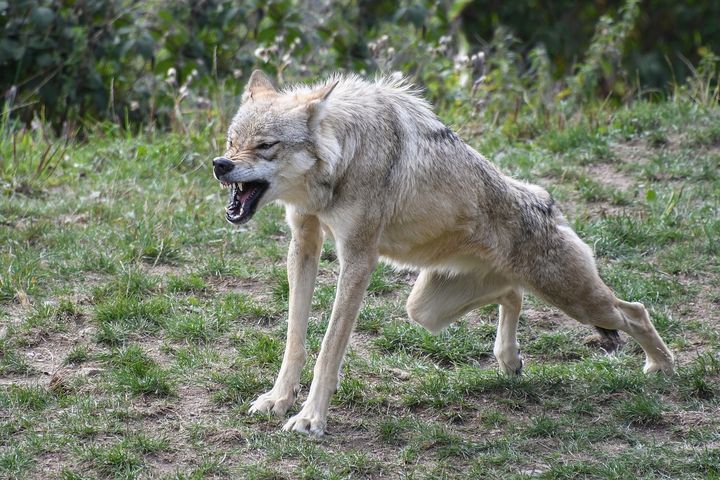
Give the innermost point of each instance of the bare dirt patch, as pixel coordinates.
(633, 152)
(608, 175)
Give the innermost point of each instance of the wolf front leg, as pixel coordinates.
(356, 265)
(302, 266)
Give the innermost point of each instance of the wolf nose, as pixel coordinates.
(222, 165)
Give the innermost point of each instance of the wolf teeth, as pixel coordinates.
(240, 186)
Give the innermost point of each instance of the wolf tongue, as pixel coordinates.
(245, 194)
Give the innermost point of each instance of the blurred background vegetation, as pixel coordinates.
(173, 64)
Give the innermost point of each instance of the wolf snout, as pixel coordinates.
(221, 166)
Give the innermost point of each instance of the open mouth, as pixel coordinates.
(243, 201)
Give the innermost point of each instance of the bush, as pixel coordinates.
(165, 63)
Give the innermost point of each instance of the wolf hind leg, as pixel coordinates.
(611, 313)
(438, 299)
(571, 283)
(658, 357)
(507, 349)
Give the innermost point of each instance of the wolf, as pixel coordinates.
(369, 164)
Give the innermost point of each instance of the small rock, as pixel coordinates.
(399, 373)
(89, 372)
(86, 332)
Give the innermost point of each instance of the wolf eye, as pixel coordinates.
(266, 145)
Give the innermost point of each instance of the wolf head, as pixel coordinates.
(271, 146)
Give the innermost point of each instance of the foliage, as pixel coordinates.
(666, 36)
(167, 63)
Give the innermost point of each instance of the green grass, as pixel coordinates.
(134, 371)
(79, 354)
(164, 322)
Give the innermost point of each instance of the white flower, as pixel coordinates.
(263, 54)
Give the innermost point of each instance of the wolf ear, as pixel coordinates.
(259, 84)
(316, 99)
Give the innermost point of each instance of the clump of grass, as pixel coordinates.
(435, 389)
(162, 251)
(14, 461)
(604, 378)
(259, 472)
(358, 464)
(115, 461)
(194, 327)
(324, 296)
(67, 474)
(640, 409)
(47, 319)
(136, 372)
(544, 426)
(232, 307)
(32, 398)
(98, 262)
(593, 191)
(493, 418)
(383, 280)
(209, 468)
(458, 344)
(79, 354)
(705, 136)
(12, 362)
(373, 318)
(128, 284)
(699, 379)
(444, 444)
(281, 290)
(583, 407)
(21, 267)
(221, 265)
(259, 348)
(352, 391)
(118, 317)
(192, 283)
(560, 345)
(391, 430)
(143, 444)
(67, 309)
(194, 356)
(238, 387)
(111, 334)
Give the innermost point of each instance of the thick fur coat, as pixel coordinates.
(370, 164)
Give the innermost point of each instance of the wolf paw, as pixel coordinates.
(271, 402)
(511, 366)
(665, 367)
(510, 363)
(307, 422)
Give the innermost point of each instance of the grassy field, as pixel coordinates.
(136, 325)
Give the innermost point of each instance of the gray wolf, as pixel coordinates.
(369, 164)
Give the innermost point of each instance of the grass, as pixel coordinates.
(164, 323)
(134, 371)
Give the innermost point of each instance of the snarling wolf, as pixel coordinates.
(369, 164)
